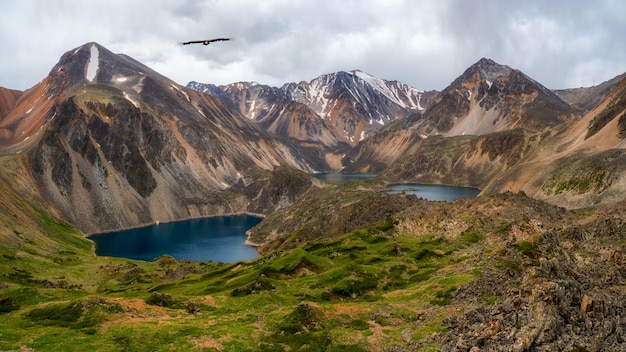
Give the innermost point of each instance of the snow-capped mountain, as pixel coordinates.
(346, 106)
(110, 143)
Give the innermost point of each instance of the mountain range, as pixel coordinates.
(105, 142)
(348, 105)
(536, 262)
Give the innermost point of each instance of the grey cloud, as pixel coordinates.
(422, 43)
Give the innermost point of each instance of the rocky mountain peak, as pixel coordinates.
(207, 88)
(490, 70)
(484, 72)
(490, 97)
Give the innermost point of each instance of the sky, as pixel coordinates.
(423, 43)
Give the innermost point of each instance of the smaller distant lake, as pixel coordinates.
(434, 192)
(218, 239)
(339, 178)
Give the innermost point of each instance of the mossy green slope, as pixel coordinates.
(403, 281)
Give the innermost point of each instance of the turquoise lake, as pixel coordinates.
(217, 239)
(222, 238)
(434, 192)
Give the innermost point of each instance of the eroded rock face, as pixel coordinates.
(560, 303)
(118, 142)
(119, 145)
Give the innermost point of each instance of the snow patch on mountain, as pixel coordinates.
(380, 86)
(180, 91)
(391, 91)
(94, 62)
(252, 109)
(316, 93)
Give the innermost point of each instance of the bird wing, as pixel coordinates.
(205, 41)
(192, 42)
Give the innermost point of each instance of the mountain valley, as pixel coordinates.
(536, 262)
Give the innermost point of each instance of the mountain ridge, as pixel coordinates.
(188, 147)
(350, 104)
(527, 153)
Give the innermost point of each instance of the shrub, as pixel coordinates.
(8, 304)
(424, 253)
(471, 237)
(443, 297)
(57, 314)
(359, 324)
(528, 249)
(161, 299)
(304, 318)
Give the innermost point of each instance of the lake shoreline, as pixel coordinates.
(126, 228)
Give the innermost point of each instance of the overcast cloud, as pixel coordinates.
(425, 44)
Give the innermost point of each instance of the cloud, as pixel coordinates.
(425, 44)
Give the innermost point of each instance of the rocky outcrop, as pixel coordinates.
(558, 302)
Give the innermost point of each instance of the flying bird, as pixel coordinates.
(205, 41)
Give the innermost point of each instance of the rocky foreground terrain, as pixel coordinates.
(542, 278)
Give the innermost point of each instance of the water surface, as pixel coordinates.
(434, 192)
(340, 178)
(218, 239)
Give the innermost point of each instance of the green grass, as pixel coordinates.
(236, 303)
(55, 294)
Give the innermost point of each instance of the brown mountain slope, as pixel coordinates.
(8, 98)
(114, 144)
(581, 164)
(587, 98)
(489, 97)
(276, 113)
(22, 124)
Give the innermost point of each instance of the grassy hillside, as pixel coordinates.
(400, 274)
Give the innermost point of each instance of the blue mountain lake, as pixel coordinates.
(218, 239)
(222, 238)
(434, 192)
